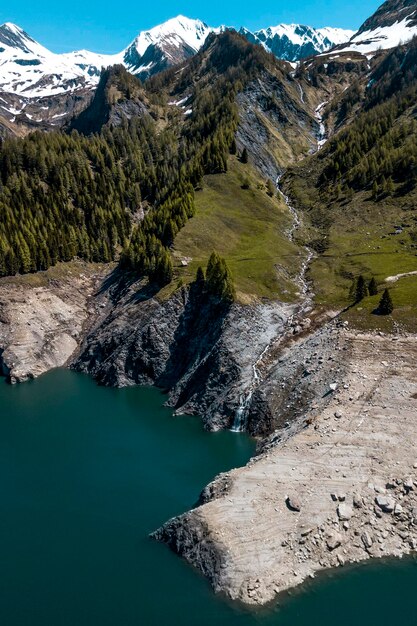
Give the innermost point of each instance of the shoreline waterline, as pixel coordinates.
(88, 472)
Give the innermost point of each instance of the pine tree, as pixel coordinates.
(199, 278)
(163, 271)
(361, 290)
(233, 147)
(373, 287)
(244, 157)
(389, 187)
(386, 305)
(219, 279)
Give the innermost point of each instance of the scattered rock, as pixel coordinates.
(385, 503)
(293, 503)
(367, 540)
(357, 501)
(333, 540)
(344, 511)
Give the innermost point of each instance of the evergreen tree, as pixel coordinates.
(219, 280)
(233, 147)
(373, 287)
(199, 278)
(385, 306)
(361, 290)
(389, 187)
(163, 271)
(244, 156)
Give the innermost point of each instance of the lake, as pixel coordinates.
(86, 473)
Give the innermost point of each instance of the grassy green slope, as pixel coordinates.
(248, 228)
(359, 236)
(362, 240)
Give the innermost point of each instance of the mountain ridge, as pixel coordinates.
(41, 72)
(294, 42)
(393, 23)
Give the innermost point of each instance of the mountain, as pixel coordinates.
(266, 334)
(293, 42)
(168, 44)
(30, 70)
(393, 23)
(40, 89)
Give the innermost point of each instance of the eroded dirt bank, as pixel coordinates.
(44, 316)
(343, 488)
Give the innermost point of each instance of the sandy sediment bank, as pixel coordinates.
(342, 489)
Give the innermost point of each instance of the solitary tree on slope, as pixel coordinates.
(386, 305)
(361, 290)
(373, 287)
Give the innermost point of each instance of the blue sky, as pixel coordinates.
(65, 26)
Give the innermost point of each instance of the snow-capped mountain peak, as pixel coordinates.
(29, 70)
(165, 45)
(393, 23)
(15, 38)
(177, 31)
(293, 42)
(335, 35)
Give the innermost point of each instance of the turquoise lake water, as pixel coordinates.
(86, 473)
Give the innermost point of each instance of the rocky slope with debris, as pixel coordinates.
(335, 486)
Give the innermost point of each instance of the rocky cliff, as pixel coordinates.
(200, 350)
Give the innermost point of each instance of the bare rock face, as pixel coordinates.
(198, 349)
(42, 318)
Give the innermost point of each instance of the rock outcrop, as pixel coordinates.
(198, 349)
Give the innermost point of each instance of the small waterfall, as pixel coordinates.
(239, 423)
(321, 136)
(245, 401)
(302, 281)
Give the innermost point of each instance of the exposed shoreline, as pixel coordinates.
(253, 547)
